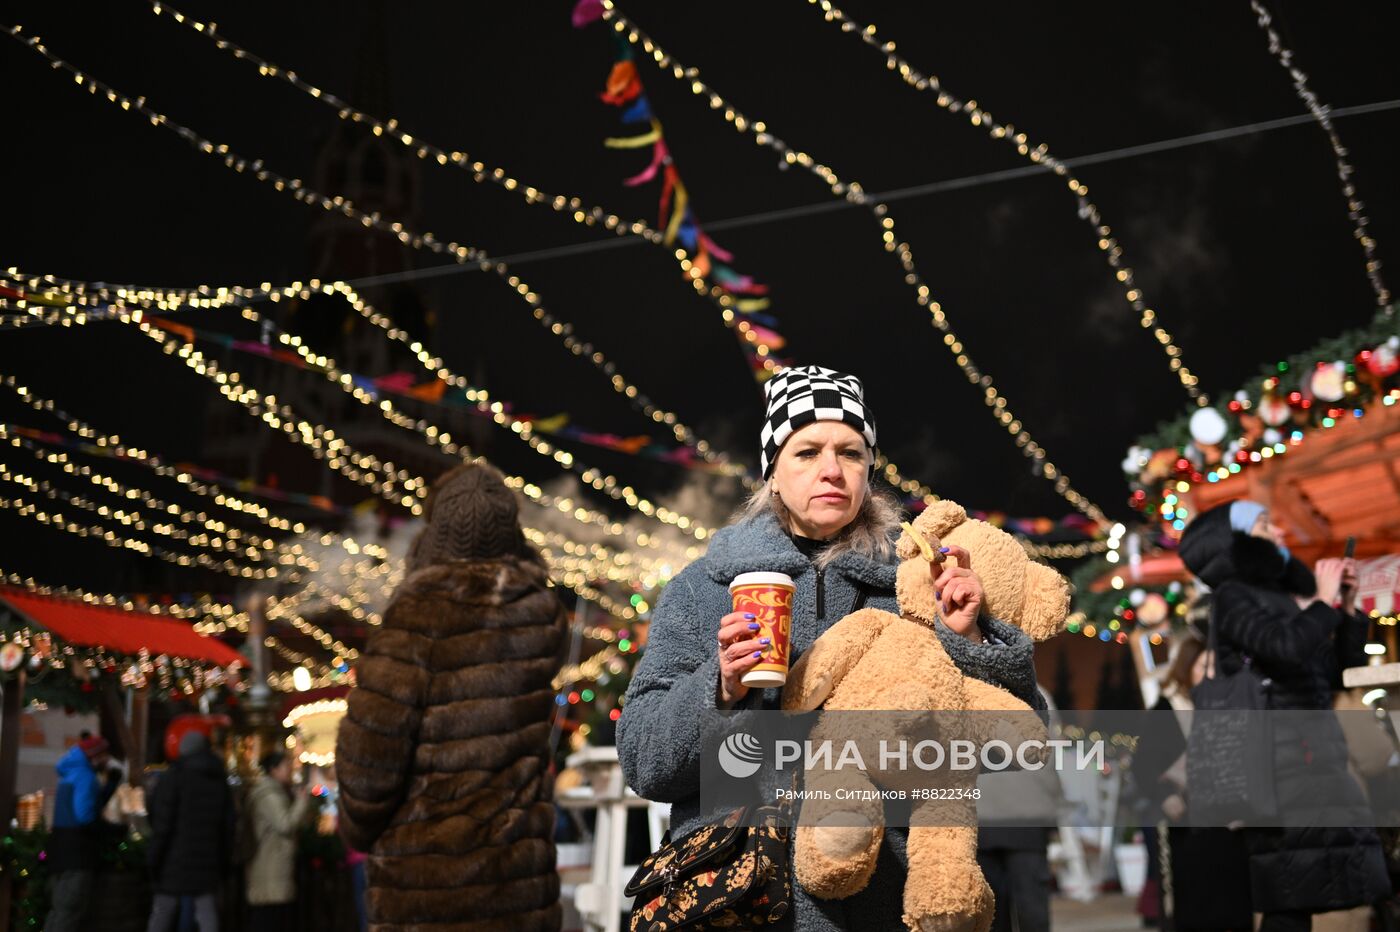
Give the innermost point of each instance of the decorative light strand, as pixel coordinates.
(27, 509)
(289, 553)
(202, 607)
(461, 254)
(113, 443)
(1065, 551)
(854, 193)
(139, 521)
(315, 437)
(607, 484)
(362, 469)
(571, 207)
(1039, 154)
(171, 300)
(293, 186)
(253, 547)
(585, 670)
(1321, 113)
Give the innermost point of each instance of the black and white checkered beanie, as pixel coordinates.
(801, 395)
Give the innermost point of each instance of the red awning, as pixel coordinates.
(117, 630)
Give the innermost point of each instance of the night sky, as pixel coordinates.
(1243, 247)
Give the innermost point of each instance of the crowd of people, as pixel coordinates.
(444, 762)
(201, 831)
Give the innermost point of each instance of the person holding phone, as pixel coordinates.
(1296, 627)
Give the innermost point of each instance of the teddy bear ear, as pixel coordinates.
(939, 518)
(1046, 603)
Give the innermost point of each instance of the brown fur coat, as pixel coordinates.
(442, 757)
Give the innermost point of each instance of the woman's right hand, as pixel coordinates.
(1329, 573)
(740, 650)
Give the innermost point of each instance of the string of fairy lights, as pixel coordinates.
(295, 187)
(388, 476)
(113, 443)
(202, 607)
(572, 207)
(314, 437)
(607, 484)
(644, 540)
(292, 552)
(135, 520)
(572, 576)
(1320, 113)
(225, 537)
(169, 299)
(360, 468)
(1038, 153)
(854, 193)
(255, 167)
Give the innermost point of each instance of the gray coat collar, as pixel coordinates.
(761, 545)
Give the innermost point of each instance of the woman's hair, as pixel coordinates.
(272, 760)
(871, 532)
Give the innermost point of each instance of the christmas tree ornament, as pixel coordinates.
(1208, 426)
(1273, 410)
(1153, 611)
(11, 656)
(1328, 381)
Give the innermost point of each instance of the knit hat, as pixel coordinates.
(471, 515)
(94, 746)
(1244, 514)
(802, 395)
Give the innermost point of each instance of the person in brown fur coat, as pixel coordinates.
(443, 754)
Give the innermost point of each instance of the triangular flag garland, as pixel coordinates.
(676, 215)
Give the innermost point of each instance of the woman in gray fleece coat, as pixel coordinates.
(817, 520)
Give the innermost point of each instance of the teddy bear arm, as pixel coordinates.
(816, 673)
(1017, 724)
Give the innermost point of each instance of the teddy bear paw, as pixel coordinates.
(976, 919)
(843, 835)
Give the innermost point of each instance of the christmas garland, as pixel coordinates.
(1112, 615)
(67, 676)
(1340, 378)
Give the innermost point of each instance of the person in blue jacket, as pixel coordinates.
(72, 849)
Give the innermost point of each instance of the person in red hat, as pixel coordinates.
(72, 848)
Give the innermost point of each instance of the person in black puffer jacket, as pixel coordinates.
(1271, 609)
(192, 823)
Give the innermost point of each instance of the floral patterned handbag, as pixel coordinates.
(723, 876)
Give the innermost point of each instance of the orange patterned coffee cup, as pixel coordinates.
(768, 597)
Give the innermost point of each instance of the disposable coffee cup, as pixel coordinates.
(768, 597)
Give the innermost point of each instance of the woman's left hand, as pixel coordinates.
(959, 593)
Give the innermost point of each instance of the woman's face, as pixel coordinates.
(822, 477)
(1265, 528)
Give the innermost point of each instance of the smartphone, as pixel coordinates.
(1350, 550)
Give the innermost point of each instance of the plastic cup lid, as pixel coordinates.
(762, 579)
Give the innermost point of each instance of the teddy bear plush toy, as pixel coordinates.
(875, 660)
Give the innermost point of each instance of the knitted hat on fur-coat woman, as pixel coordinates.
(471, 515)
